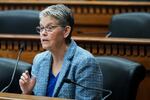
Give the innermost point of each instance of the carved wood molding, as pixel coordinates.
(82, 7)
(92, 9)
(134, 49)
(91, 17)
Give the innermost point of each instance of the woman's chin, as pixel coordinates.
(45, 47)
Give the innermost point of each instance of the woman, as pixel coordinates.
(63, 59)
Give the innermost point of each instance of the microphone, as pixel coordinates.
(69, 81)
(108, 34)
(15, 68)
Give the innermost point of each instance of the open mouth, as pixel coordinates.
(45, 40)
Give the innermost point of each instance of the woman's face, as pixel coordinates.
(51, 34)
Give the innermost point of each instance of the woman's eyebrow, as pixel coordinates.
(49, 24)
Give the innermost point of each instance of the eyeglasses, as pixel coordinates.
(40, 29)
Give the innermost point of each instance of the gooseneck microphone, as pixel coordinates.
(15, 68)
(69, 81)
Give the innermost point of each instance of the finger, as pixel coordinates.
(26, 74)
(21, 82)
(23, 79)
(33, 81)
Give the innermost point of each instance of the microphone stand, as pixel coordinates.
(14, 71)
(72, 82)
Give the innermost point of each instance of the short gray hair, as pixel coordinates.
(62, 13)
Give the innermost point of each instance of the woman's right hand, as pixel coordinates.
(27, 83)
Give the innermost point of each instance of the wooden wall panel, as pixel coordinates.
(130, 48)
(91, 17)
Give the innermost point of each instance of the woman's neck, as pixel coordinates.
(58, 53)
(58, 57)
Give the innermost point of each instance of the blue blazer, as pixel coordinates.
(79, 65)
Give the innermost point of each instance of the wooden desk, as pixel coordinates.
(12, 96)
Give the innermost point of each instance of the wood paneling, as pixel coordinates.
(91, 24)
(130, 48)
(91, 17)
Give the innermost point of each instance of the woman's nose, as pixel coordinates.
(44, 32)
